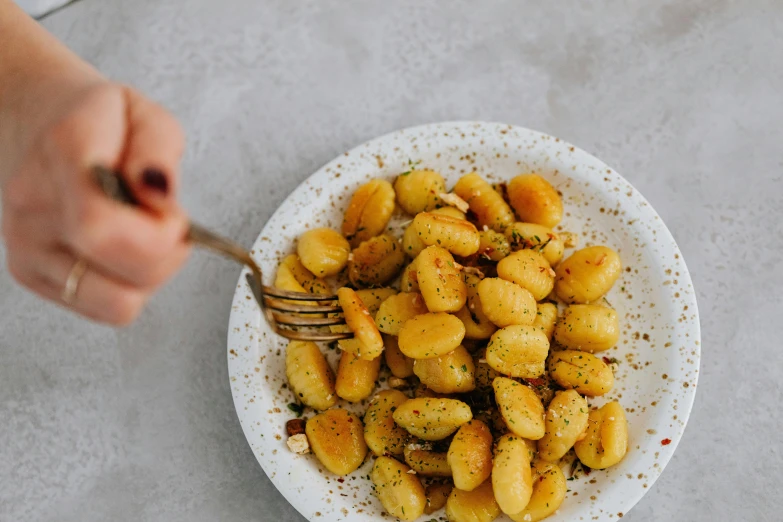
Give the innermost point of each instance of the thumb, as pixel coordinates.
(155, 143)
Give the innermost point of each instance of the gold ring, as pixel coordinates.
(72, 283)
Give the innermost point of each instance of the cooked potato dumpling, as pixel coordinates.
(549, 491)
(309, 375)
(398, 309)
(367, 343)
(546, 317)
(449, 211)
(373, 297)
(477, 324)
(506, 303)
(411, 242)
(518, 351)
(400, 364)
(539, 238)
(440, 281)
(588, 327)
(409, 282)
(437, 494)
(369, 211)
(587, 274)
(470, 455)
(356, 377)
(583, 372)
(427, 463)
(512, 480)
(458, 236)
(381, 433)
(530, 270)
(432, 418)
(337, 440)
(304, 277)
(535, 200)
(488, 206)
(418, 190)
(430, 335)
(607, 437)
(478, 505)
(376, 261)
(323, 251)
(566, 421)
(520, 407)
(493, 245)
(400, 492)
(450, 373)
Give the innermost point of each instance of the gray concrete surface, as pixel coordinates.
(682, 98)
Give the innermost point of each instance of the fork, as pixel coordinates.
(285, 317)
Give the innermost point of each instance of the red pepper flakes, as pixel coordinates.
(568, 271)
(536, 382)
(416, 412)
(666, 442)
(340, 480)
(606, 359)
(350, 419)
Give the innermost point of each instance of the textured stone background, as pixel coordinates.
(682, 98)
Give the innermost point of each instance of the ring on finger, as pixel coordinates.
(72, 282)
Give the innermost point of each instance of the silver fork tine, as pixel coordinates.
(311, 335)
(282, 306)
(297, 296)
(293, 320)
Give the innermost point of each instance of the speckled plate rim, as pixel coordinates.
(246, 330)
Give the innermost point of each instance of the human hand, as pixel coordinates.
(56, 222)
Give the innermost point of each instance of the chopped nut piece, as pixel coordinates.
(295, 427)
(298, 444)
(570, 239)
(473, 270)
(396, 382)
(455, 201)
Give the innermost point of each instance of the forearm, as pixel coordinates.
(37, 73)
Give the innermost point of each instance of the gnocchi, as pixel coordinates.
(304, 277)
(430, 335)
(458, 236)
(606, 441)
(409, 282)
(367, 343)
(397, 309)
(520, 407)
(588, 327)
(356, 377)
(587, 274)
(506, 303)
(549, 491)
(581, 371)
(309, 375)
(478, 505)
(369, 211)
(400, 492)
(419, 190)
(477, 324)
(449, 373)
(437, 494)
(518, 351)
(470, 455)
(323, 251)
(376, 261)
(432, 418)
(566, 421)
(535, 200)
(530, 270)
(488, 206)
(381, 433)
(400, 365)
(542, 239)
(440, 281)
(512, 480)
(337, 440)
(493, 245)
(411, 242)
(427, 463)
(546, 317)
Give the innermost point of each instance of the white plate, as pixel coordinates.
(659, 347)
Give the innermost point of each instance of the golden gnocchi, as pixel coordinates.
(518, 351)
(458, 236)
(309, 375)
(520, 407)
(606, 441)
(376, 261)
(432, 418)
(426, 462)
(449, 373)
(304, 277)
(356, 377)
(419, 190)
(478, 505)
(588, 327)
(549, 491)
(397, 309)
(580, 371)
(337, 440)
(369, 211)
(470, 455)
(430, 335)
(477, 324)
(493, 245)
(367, 343)
(566, 421)
(542, 239)
(512, 480)
(535, 200)
(381, 433)
(587, 274)
(488, 206)
(400, 365)
(530, 270)
(546, 317)
(323, 251)
(506, 303)
(440, 281)
(399, 491)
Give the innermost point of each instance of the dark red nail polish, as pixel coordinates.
(156, 180)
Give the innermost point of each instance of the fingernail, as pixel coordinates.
(156, 180)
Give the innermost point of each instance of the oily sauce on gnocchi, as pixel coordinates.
(472, 364)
